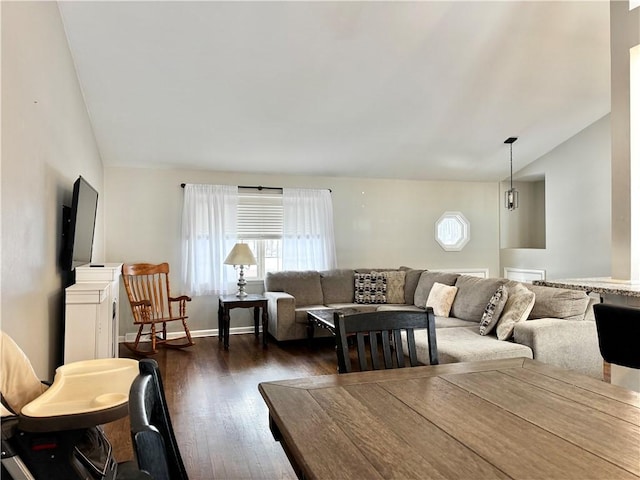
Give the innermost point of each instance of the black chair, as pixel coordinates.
(388, 325)
(154, 442)
(618, 334)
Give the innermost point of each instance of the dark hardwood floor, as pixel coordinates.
(220, 420)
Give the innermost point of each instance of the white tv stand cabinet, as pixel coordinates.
(92, 313)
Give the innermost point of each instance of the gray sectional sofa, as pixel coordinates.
(559, 329)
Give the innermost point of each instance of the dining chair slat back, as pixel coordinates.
(382, 332)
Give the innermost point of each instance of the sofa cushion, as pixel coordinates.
(554, 302)
(395, 285)
(304, 286)
(441, 298)
(370, 288)
(519, 305)
(493, 310)
(337, 286)
(473, 296)
(448, 322)
(411, 278)
(465, 344)
(427, 279)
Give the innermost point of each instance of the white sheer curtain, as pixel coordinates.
(307, 242)
(209, 221)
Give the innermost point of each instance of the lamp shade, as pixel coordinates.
(240, 254)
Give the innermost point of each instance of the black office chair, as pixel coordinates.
(154, 442)
(618, 334)
(388, 325)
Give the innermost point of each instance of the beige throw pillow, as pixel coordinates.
(395, 286)
(441, 298)
(427, 279)
(519, 305)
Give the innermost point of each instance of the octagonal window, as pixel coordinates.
(452, 231)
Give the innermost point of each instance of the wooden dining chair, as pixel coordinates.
(389, 326)
(154, 442)
(147, 287)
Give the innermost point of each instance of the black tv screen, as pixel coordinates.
(80, 225)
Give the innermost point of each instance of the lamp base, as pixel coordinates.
(242, 283)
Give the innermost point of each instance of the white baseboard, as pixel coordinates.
(212, 332)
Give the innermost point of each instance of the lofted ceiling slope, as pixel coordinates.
(407, 90)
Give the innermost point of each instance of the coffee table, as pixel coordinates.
(324, 319)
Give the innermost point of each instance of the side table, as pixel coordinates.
(229, 302)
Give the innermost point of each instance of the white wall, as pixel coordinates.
(378, 223)
(47, 141)
(578, 207)
(524, 227)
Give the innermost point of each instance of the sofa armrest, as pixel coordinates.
(571, 344)
(282, 313)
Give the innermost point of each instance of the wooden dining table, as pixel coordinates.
(514, 418)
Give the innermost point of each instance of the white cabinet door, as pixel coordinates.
(86, 314)
(92, 313)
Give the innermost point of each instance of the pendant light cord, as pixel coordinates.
(511, 165)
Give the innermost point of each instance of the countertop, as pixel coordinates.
(601, 285)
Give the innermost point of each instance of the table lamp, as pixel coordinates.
(239, 256)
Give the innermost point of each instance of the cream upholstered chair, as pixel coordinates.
(147, 287)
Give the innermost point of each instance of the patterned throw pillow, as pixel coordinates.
(519, 305)
(395, 286)
(441, 298)
(370, 288)
(493, 310)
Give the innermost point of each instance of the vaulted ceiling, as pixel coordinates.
(417, 90)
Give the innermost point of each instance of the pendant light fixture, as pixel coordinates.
(511, 195)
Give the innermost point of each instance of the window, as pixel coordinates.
(260, 226)
(452, 231)
(215, 217)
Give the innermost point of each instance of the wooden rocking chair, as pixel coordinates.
(147, 287)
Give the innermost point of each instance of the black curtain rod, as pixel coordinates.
(258, 187)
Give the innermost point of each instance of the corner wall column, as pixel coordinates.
(625, 154)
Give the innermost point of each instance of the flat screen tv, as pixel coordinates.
(79, 222)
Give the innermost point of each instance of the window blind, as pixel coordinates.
(259, 216)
